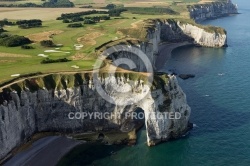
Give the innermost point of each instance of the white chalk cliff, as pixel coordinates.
(179, 31)
(43, 103)
(27, 108)
(202, 37)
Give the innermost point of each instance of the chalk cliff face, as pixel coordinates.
(201, 12)
(34, 106)
(44, 103)
(204, 38)
(180, 31)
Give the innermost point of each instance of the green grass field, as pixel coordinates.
(91, 36)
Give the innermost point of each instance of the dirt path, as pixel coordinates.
(134, 25)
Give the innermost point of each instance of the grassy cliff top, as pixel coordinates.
(64, 81)
(128, 28)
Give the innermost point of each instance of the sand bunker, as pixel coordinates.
(42, 55)
(52, 51)
(75, 66)
(15, 75)
(78, 46)
(37, 37)
(56, 51)
(89, 39)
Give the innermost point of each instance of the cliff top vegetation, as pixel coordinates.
(78, 45)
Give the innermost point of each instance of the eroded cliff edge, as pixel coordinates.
(43, 104)
(156, 31)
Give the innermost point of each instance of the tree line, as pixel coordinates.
(112, 13)
(6, 22)
(9, 40)
(77, 17)
(22, 23)
(48, 60)
(13, 40)
(87, 20)
(29, 23)
(49, 4)
(79, 14)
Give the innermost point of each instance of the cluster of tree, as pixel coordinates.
(13, 40)
(6, 22)
(29, 23)
(116, 12)
(75, 25)
(151, 10)
(58, 3)
(75, 19)
(9, 0)
(79, 14)
(87, 20)
(21, 5)
(27, 47)
(86, 6)
(98, 18)
(48, 60)
(110, 6)
(47, 43)
(1, 30)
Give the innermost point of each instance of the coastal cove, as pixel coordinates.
(218, 96)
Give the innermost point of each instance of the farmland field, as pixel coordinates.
(36, 13)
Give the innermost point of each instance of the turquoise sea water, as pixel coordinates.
(219, 96)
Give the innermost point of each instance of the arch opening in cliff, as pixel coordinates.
(135, 120)
(101, 136)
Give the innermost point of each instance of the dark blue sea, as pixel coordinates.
(219, 96)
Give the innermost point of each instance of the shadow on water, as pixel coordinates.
(85, 154)
(89, 153)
